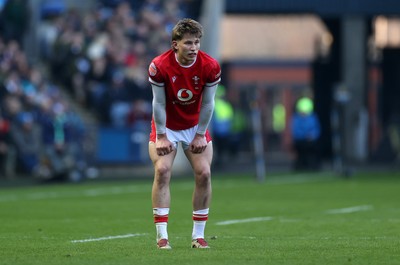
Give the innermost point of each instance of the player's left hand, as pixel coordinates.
(198, 144)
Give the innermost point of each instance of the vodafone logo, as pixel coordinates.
(185, 94)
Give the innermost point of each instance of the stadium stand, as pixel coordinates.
(93, 64)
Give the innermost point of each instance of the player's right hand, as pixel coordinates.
(163, 145)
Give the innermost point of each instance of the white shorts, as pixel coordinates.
(185, 137)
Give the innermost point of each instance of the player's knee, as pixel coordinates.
(203, 177)
(163, 170)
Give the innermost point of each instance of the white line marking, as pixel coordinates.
(249, 220)
(105, 238)
(350, 209)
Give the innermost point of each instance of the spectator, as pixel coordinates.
(239, 130)
(27, 138)
(62, 139)
(15, 20)
(306, 132)
(5, 147)
(139, 116)
(221, 126)
(117, 101)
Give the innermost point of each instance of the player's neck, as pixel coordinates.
(184, 63)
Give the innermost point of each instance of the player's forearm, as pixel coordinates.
(159, 113)
(207, 109)
(205, 117)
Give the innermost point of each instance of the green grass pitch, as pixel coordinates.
(315, 218)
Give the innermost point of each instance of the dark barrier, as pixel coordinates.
(121, 145)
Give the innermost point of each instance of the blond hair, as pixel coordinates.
(184, 26)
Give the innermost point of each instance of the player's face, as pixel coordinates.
(187, 48)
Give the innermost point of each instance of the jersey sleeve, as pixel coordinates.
(214, 75)
(155, 75)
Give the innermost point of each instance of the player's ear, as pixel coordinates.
(174, 45)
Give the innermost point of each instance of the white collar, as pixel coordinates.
(185, 66)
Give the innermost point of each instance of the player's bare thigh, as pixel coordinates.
(161, 161)
(202, 161)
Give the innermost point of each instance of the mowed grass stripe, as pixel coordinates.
(34, 193)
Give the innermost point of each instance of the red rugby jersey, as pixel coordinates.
(183, 86)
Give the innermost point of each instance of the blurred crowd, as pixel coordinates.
(39, 133)
(99, 56)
